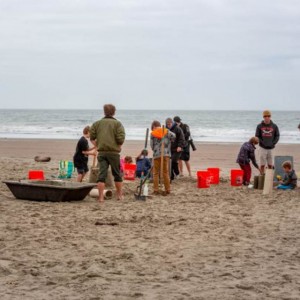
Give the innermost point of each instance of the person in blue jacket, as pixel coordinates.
(143, 164)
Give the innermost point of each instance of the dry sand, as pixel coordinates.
(219, 243)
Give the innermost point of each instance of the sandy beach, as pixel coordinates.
(218, 243)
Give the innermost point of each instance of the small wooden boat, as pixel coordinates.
(49, 190)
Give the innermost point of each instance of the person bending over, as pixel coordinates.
(246, 154)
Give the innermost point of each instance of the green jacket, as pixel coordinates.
(109, 134)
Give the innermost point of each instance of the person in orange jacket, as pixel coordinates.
(160, 142)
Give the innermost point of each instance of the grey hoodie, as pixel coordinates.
(156, 143)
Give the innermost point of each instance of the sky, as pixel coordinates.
(150, 54)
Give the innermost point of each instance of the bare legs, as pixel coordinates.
(80, 177)
(118, 186)
(101, 187)
(188, 167)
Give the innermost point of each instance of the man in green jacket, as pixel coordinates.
(108, 136)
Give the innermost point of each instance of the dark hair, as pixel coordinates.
(177, 119)
(299, 126)
(86, 129)
(287, 165)
(109, 110)
(128, 160)
(155, 124)
(144, 152)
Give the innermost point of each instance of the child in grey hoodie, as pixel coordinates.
(160, 139)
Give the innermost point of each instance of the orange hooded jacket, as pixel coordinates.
(159, 133)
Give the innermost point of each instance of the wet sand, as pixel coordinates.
(218, 243)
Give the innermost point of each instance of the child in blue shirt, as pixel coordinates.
(143, 164)
(289, 181)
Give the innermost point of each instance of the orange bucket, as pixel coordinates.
(129, 171)
(215, 175)
(237, 177)
(36, 175)
(203, 179)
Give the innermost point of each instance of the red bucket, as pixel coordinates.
(215, 175)
(129, 171)
(237, 177)
(203, 179)
(36, 175)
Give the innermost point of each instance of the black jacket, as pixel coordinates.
(179, 140)
(268, 135)
(186, 132)
(246, 154)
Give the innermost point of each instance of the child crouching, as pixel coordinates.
(143, 164)
(289, 181)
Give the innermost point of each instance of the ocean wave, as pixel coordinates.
(205, 127)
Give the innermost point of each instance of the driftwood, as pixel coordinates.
(42, 158)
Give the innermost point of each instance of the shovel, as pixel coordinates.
(94, 171)
(162, 150)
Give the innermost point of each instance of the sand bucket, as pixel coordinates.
(203, 179)
(36, 175)
(255, 185)
(261, 182)
(215, 175)
(237, 177)
(129, 171)
(94, 173)
(66, 169)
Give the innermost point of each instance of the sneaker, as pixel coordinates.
(155, 193)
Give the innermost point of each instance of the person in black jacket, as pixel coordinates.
(268, 134)
(246, 154)
(185, 155)
(176, 146)
(80, 157)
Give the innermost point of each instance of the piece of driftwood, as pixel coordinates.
(268, 185)
(42, 158)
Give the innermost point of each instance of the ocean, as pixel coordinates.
(206, 126)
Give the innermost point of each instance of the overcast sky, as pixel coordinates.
(150, 54)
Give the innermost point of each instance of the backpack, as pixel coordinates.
(186, 132)
(66, 169)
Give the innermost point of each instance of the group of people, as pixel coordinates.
(266, 136)
(168, 142)
(171, 141)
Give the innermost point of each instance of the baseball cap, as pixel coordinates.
(176, 119)
(266, 113)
